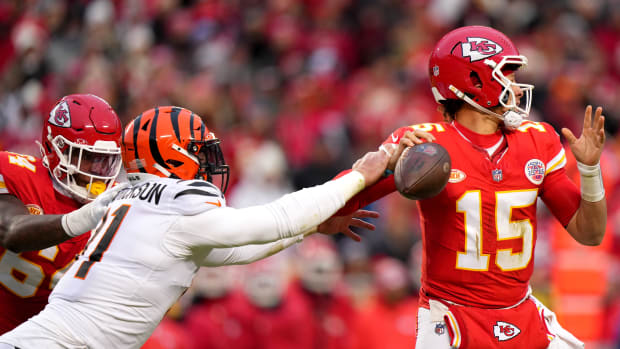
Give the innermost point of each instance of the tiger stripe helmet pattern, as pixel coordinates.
(173, 142)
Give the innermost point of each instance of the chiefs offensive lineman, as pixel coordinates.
(80, 158)
(479, 233)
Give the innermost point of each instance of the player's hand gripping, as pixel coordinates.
(86, 217)
(371, 166)
(589, 146)
(342, 224)
(409, 139)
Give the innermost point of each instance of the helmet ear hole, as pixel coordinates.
(174, 163)
(475, 79)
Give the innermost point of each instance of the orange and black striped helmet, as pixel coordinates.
(173, 142)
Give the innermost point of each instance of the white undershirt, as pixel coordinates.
(491, 150)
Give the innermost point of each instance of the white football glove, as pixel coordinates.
(86, 217)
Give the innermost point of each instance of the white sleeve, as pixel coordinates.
(248, 253)
(291, 215)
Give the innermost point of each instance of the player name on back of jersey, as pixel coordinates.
(147, 191)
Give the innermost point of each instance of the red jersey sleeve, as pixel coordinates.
(561, 196)
(3, 182)
(558, 192)
(16, 168)
(378, 190)
(369, 195)
(395, 136)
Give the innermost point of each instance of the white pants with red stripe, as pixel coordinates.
(433, 334)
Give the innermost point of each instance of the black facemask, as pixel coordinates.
(212, 163)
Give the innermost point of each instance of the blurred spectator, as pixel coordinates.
(357, 273)
(171, 333)
(390, 320)
(215, 319)
(398, 230)
(263, 175)
(321, 290)
(276, 318)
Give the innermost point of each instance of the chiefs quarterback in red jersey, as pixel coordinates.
(479, 233)
(80, 158)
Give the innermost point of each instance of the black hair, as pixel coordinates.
(450, 107)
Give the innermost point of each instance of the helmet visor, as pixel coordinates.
(95, 163)
(101, 165)
(86, 170)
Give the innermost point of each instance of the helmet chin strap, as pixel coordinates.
(512, 119)
(44, 159)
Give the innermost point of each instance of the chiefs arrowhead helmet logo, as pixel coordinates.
(60, 115)
(480, 48)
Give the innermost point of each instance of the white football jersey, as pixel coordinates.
(146, 250)
(125, 278)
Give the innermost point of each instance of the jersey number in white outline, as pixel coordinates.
(24, 277)
(470, 204)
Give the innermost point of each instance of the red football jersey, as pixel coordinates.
(27, 278)
(479, 233)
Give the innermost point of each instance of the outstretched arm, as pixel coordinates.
(394, 146)
(292, 215)
(251, 253)
(588, 224)
(21, 231)
(248, 253)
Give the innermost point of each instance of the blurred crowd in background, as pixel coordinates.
(297, 90)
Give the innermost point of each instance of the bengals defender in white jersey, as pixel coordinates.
(479, 233)
(170, 222)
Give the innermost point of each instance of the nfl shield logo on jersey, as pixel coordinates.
(535, 171)
(440, 329)
(497, 175)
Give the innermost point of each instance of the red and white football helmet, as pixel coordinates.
(81, 146)
(469, 56)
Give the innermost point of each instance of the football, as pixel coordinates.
(422, 171)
